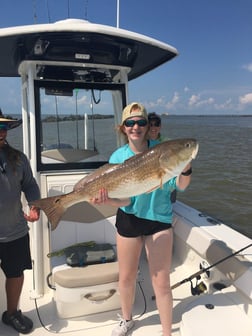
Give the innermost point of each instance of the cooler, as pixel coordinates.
(81, 291)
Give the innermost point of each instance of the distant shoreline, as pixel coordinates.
(74, 118)
(52, 118)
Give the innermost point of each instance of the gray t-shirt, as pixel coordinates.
(12, 183)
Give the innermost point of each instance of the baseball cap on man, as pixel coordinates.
(134, 110)
(7, 123)
(154, 116)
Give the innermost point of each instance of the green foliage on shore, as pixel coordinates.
(72, 117)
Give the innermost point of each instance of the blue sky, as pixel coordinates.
(211, 75)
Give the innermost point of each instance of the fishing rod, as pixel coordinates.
(201, 287)
(205, 269)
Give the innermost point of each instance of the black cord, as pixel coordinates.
(48, 281)
(97, 101)
(144, 298)
(40, 320)
(71, 331)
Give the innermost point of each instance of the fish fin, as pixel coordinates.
(161, 182)
(160, 176)
(152, 189)
(53, 207)
(160, 185)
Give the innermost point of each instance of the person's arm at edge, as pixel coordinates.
(183, 181)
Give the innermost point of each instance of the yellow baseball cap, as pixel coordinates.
(134, 110)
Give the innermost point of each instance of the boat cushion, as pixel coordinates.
(91, 275)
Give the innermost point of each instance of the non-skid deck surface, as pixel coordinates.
(145, 312)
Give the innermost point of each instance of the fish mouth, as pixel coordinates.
(195, 152)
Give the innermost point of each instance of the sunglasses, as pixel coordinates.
(131, 123)
(155, 124)
(3, 127)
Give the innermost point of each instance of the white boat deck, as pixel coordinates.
(194, 244)
(44, 314)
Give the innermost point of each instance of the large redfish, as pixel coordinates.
(140, 174)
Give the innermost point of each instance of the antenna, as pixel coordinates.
(117, 13)
(35, 11)
(68, 9)
(48, 11)
(86, 10)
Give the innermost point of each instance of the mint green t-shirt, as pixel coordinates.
(154, 206)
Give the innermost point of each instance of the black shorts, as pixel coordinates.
(15, 257)
(129, 225)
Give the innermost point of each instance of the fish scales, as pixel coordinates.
(140, 174)
(122, 181)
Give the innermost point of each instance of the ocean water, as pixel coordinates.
(222, 172)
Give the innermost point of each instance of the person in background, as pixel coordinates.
(155, 127)
(15, 177)
(143, 221)
(155, 134)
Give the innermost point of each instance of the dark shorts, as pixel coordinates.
(129, 225)
(15, 257)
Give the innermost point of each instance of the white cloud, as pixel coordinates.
(175, 99)
(194, 99)
(226, 106)
(160, 103)
(203, 102)
(248, 67)
(246, 99)
(155, 104)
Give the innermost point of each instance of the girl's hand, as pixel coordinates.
(101, 198)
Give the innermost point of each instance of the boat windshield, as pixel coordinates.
(76, 125)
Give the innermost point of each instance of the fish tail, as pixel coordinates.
(53, 207)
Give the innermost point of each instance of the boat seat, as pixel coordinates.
(81, 291)
(91, 275)
(215, 314)
(211, 249)
(68, 154)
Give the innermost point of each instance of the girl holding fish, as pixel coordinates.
(144, 220)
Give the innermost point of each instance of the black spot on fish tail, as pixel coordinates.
(53, 207)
